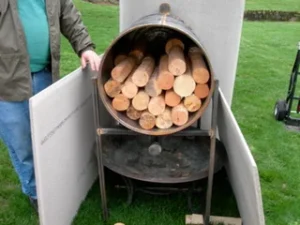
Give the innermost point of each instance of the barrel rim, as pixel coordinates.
(156, 132)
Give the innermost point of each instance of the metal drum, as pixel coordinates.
(153, 31)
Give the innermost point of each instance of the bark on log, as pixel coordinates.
(199, 69)
(152, 88)
(165, 78)
(142, 74)
(121, 71)
(177, 64)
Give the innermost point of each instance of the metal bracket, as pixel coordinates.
(165, 8)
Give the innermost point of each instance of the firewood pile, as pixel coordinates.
(160, 92)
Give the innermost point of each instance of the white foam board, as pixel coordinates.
(63, 135)
(217, 24)
(241, 167)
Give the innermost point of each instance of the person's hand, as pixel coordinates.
(92, 58)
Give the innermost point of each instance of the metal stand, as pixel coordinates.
(99, 152)
(121, 131)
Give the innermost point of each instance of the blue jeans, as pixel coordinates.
(15, 132)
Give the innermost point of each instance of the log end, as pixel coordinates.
(112, 88)
(192, 103)
(172, 43)
(201, 75)
(201, 91)
(165, 80)
(120, 103)
(180, 115)
(140, 101)
(147, 121)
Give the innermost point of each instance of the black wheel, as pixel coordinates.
(280, 110)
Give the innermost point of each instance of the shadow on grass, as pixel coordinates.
(154, 209)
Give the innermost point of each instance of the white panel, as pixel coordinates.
(216, 23)
(63, 142)
(241, 167)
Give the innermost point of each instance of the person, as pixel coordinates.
(30, 34)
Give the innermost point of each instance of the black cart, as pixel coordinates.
(283, 110)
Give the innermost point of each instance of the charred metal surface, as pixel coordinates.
(187, 161)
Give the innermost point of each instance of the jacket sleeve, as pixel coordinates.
(73, 29)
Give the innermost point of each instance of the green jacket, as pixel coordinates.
(15, 75)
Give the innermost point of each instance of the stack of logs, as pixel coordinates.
(159, 94)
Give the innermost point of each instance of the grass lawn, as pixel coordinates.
(284, 5)
(266, 57)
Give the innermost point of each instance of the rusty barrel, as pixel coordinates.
(153, 31)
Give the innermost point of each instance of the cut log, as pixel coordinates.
(180, 115)
(196, 50)
(121, 71)
(133, 114)
(112, 88)
(173, 42)
(174, 49)
(142, 74)
(138, 54)
(165, 79)
(120, 103)
(151, 87)
(164, 120)
(157, 105)
(147, 120)
(199, 69)
(141, 100)
(119, 58)
(192, 103)
(129, 89)
(171, 98)
(184, 85)
(201, 91)
(139, 51)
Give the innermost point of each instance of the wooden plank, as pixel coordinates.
(197, 219)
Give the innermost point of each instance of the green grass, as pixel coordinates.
(266, 57)
(284, 5)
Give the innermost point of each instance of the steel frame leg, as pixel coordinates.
(99, 153)
(212, 153)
